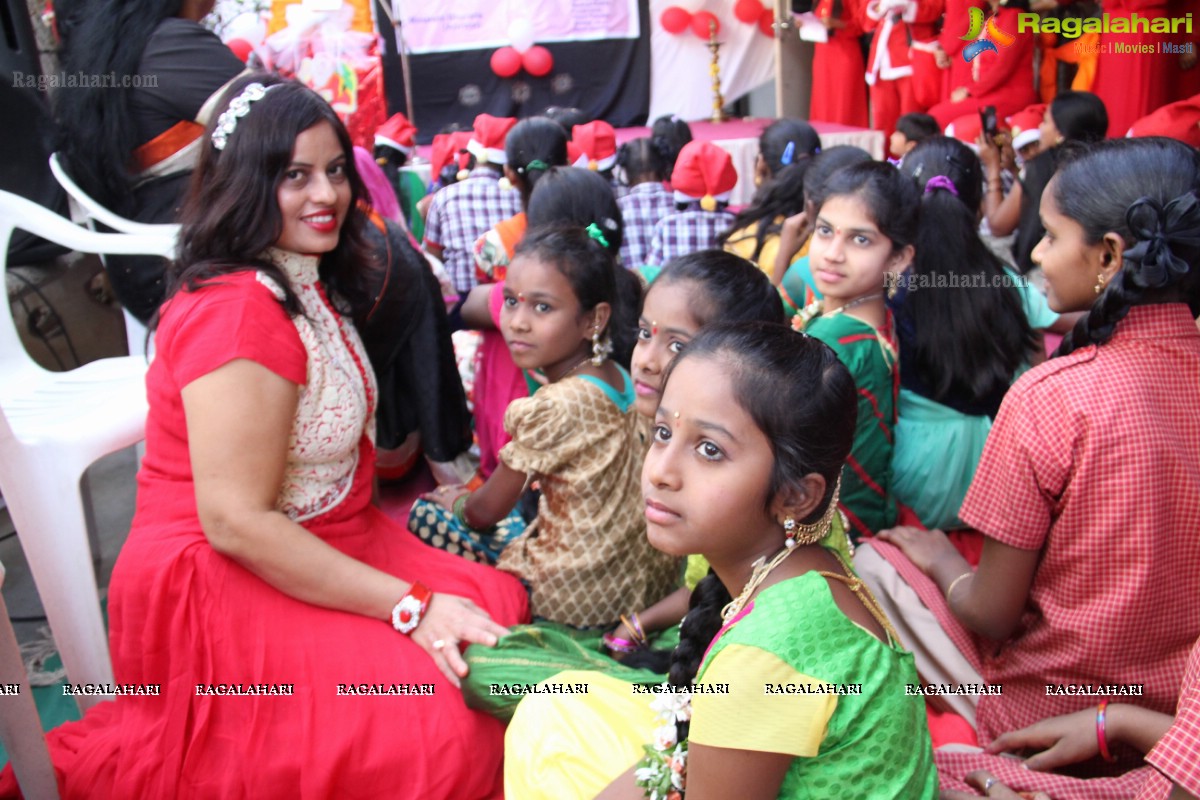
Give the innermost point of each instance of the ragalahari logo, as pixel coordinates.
(994, 36)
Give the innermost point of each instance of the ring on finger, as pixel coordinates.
(989, 783)
(438, 644)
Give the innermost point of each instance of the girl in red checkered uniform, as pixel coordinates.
(1088, 492)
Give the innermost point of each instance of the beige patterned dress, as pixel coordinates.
(586, 557)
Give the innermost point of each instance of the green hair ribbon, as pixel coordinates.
(593, 230)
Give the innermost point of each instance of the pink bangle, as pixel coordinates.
(1101, 734)
(616, 645)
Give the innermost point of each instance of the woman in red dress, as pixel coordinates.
(259, 588)
(839, 83)
(1133, 84)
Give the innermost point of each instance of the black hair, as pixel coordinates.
(594, 275)
(782, 196)
(803, 399)
(891, 198)
(731, 289)
(826, 163)
(1123, 186)
(536, 139)
(97, 127)
(231, 213)
(917, 127)
(1079, 116)
(970, 337)
(579, 197)
(567, 117)
(782, 134)
(644, 159)
(670, 133)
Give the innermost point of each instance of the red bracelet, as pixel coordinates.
(1101, 734)
(407, 614)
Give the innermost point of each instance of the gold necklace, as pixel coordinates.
(571, 371)
(760, 570)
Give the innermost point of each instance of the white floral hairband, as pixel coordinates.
(238, 108)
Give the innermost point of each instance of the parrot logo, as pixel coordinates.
(994, 36)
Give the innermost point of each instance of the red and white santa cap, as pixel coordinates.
(397, 133)
(487, 140)
(597, 142)
(704, 172)
(1177, 120)
(1025, 125)
(446, 149)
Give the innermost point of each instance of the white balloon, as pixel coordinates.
(520, 34)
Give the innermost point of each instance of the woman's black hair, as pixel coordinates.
(803, 400)
(594, 275)
(891, 198)
(826, 163)
(567, 117)
(97, 127)
(779, 198)
(917, 127)
(579, 197)
(231, 214)
(1079, 116)
(642, 160)
(788, 141)
(670, 133)
(1146, 191)
(972, 332)
(533, 146)
(731, 289)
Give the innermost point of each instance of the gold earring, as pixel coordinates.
(813, 532)
(601, 349)
(1099, 283)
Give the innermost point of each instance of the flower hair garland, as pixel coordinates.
(238, 108)
(662, 772)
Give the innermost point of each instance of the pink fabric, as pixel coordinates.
(1177, 754)
(498, 382)
(382, 195)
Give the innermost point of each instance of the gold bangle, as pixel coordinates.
(953, 583)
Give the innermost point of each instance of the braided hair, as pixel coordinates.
(645, 159)
(1147, 191)
(803, 400)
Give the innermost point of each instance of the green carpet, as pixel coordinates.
(53, 706)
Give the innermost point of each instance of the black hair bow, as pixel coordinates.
(1156, 229)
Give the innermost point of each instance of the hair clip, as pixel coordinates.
(238, 108)
(593, 231)
(789, 153)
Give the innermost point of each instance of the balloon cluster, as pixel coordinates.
(522, 53)
(677, 19)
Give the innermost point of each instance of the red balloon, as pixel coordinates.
(675, 19)
(241, 48)
(766, 22)
(700, 21)
(748, 11)
(506, 62)
(538, 61)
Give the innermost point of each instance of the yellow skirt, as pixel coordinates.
(571, 746)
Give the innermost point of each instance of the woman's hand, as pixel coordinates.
(985, 782)
(989, 156)
(445, 495)
(449, 622)
(940, 58)
(1063, 740)
(960, 94)
(924, 548)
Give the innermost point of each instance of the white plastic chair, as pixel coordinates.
(86, 209)
(53, 425)
(20, 726)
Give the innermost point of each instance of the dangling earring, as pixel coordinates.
(789, 530)
(1099, 283)
(600, 349)
(893, 283)
(814, 532)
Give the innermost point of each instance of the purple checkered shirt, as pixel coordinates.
(686, 232)
(461, 213)
(641, 209)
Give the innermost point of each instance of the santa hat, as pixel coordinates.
(1025, 125)
(446, 149)
(966, 129)
(397, 133)
(703, 171)
(487, 140)
(1178, 121)
(575, 155)
(598, 143)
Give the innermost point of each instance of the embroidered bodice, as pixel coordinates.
(337, 403)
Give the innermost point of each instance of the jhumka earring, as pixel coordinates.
(600, 348)
(1099, 283)
(789, 529)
